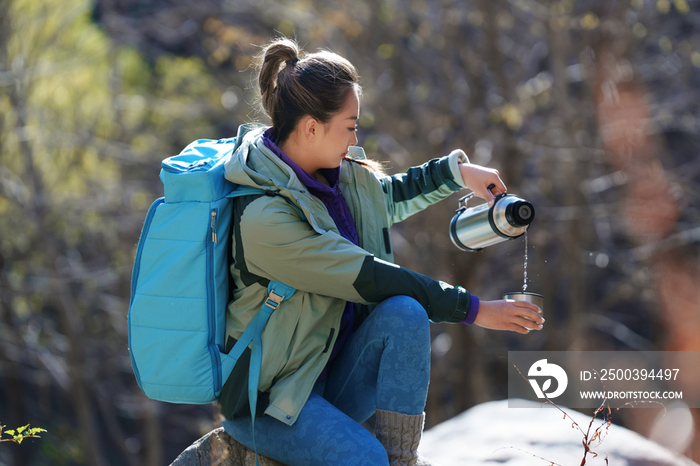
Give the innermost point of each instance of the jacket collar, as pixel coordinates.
(252, 163)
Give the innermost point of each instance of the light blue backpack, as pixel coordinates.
(180, 283)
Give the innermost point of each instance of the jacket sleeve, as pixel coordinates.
(276, 244)
(424, 185)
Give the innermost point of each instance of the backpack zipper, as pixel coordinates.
(135, 277)
(211, 303)
(214, 238)
(173, 165)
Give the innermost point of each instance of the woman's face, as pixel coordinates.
(339, 134)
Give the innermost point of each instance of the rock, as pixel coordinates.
(487, 434)
(217, 448)
(492, 433)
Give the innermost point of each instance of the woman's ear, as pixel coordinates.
(311, 127)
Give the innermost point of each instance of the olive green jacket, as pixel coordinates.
(272, 241)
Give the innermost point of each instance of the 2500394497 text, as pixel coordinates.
(629, 374)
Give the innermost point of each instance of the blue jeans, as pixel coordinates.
(384, 365)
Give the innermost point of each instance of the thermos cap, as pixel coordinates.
(520, 214)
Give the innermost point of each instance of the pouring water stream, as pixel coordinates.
(525, 265)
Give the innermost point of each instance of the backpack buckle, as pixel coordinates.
(273, 300)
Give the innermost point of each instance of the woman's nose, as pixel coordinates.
(353, 140)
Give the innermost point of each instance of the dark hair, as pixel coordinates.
(294, 84)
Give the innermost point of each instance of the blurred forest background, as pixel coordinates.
(588, 108)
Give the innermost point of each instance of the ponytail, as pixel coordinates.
(372, 165)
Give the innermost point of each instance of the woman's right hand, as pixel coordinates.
(478, 179)
(516, 316)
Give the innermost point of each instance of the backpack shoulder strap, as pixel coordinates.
(242, 190)
(277, 292)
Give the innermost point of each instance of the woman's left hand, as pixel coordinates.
(516, 316)
(478, 178)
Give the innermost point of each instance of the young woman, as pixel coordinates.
(354, 339)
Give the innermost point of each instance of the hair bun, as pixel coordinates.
(288, 95)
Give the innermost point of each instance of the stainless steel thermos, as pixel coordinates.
(474, 228)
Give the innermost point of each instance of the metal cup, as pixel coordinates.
(534, 298)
